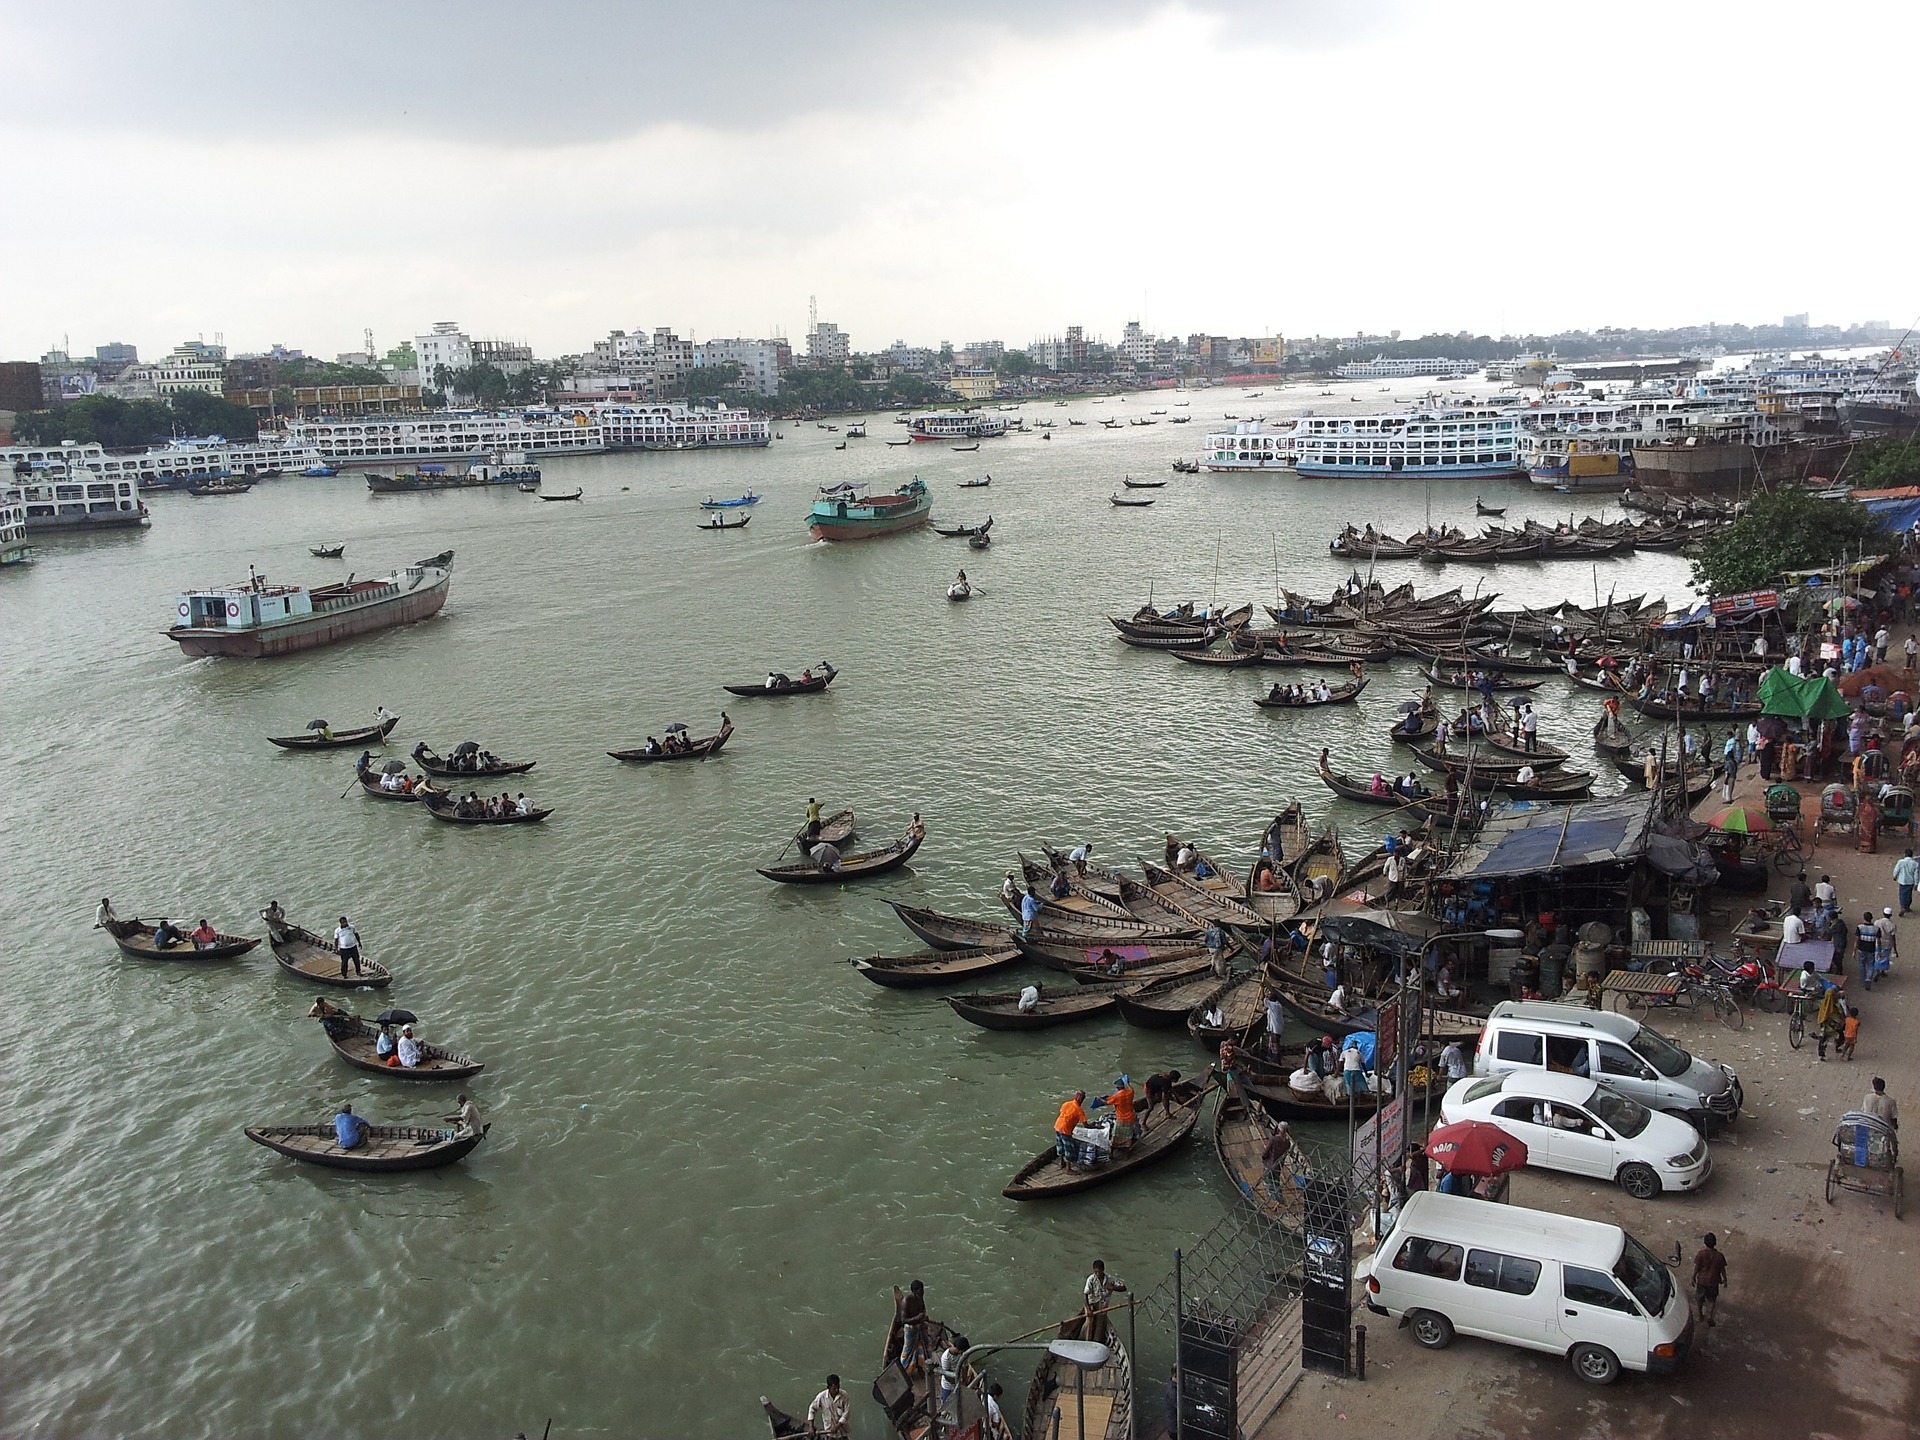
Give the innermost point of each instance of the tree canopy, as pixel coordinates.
(127, 424)
(1883, 464)
(1790, 529)
(839, 390)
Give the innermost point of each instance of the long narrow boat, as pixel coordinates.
(1102, 879)
(313, 957)
(1692, 709)
(1338, 695)
(1414, 728)
(851, 867)
(1457, 680)
(386, 1148)
(1275, 905)
(353, 1040)
(135, 938)
(1056, 1007)
(1091, 925)
(1166, 1003)
(328, 739)
(1045, 1178)
(1309, 1006)
(440, 808)
(1081, 898)
(435, 764)
(781, 689)
(1241, 1133)
(1199, 899)
(1242, 1011)
(1145, 903)
(907, 1398)
(935, 967)
(694, 749)
(1542, 753)
(949, 932)
(370, 782)
(1058, 951)
(1146, 972)
(1476, 758)
(1096, 1404)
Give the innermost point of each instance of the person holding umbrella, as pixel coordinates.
(1471, 1154)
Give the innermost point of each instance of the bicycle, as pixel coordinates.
(1788, 848)
(1797, 1021)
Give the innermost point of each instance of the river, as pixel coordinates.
(714, 1146)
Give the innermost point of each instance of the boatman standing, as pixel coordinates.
(347, 942)
(1098, 1293)
(830, 1414)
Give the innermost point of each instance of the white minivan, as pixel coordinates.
(1579, 1288)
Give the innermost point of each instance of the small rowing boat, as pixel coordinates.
(849, 867)
(356, 1042)
(935, 967)
(322, 736)
(809, 684)
(690, 750)
(386, 1148)
(313, 957)
(135, 937)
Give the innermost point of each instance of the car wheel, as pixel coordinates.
(1595, 1364)
(1431, 1329)
(1639, 1181)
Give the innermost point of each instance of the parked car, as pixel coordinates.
(1572, 1287)
(1633, 1059)
(1586, 1128)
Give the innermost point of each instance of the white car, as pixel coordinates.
(1578, 1125)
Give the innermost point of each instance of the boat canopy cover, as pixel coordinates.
(1802, 697)
(1595, 832)
(845, 487)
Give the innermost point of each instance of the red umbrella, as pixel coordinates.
(1473, 1147)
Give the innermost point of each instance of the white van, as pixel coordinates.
(1579, 1288)
(1634, 1059)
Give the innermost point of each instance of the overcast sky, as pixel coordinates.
(296, 173)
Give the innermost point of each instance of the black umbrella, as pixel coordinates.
(1407, 707)
(467, 747)
(319, 724)
(394, 767)
(396, 1017)
(676, 726)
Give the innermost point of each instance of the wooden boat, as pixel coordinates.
(1324, 859)
(1180, 640)
(1475, 757)
(965, 532)
(442, 807)
(1091, 927)
(963, 449)
(979, 542)
(1200, 900)
(935, 967)
(528, 487)
(1102, 879)
(1195, 963)
(789, 687)
(1457, 680)
(1166, 1002)
(327, 552)
(1097, 1404)
(577, 493)
(1541, 755)
(720, 522)
(835, 829)
(852, 867)
(1231, 660)
(1414, 728)
(1495, 512)
(949, 932)
(1692, 709)
(1243, 1013)
(435, 764)
(694, 749)
(135, 938)
(1336, 695)
(375, 734)
(1308, 1003)
(1611, 738)
(1125, 503)
(1276, 905)
(747, 499)
(1081, 896)
(369, 779)
(1044, 1178)
(386, 1148)
(205, 488)
(314, 957)
(1425, 806)
(1155, 907)
(976, 484)
(1133, 484)
(353, 1040)
(1241, 1132)
(1060, 1006)
(1076, 953)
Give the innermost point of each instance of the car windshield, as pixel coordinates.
(1481, 1089)
(1661, 1053)
(1645, 1276)
(1625, 1117)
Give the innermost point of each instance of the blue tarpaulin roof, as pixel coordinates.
(1896, 513)
(1596, 832)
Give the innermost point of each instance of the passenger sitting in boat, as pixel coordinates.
(1201, 869)
(1275, 695)
(1263, 878)
(522, 805)
(1525, 776)
(1029, 999)
(409, 1049)
(652, 747)
(205, 937)
(1377, 785)
(806, 676)
(1058, 887)
(1184, 860)
(1213, 1017)
(825, 857)
(384, 1044)
(1112, 964)
(1323, 693)
(349, 1129)
(1010, 892)
(915, 830)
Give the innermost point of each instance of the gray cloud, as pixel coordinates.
(496, 72)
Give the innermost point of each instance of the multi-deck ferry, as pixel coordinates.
(13, 534)
(1251, 446)
(1382, 368)
(57, 489)
(446, 435)
(1465, 444)
(956, 425)
(679, 427)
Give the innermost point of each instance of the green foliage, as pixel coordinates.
(1014, 364)
(1883, 464)
(1790, 529)
(132, 423)
(711, 380)
(308, 371)
(491, 388)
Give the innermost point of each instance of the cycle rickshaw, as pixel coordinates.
(1783, 820)
(1839, 811)
(1866, 1160)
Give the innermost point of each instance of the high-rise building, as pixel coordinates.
(759, 361)
(828, 344)
(447, 346)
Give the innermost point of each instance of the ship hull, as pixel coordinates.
(103, 520)
(1725, 468)
(311, 632)
(868, 529)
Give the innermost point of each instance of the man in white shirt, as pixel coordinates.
(1337, 1001)
(1453, 1061)
(1079, 855)
(104, 916)
(831, 1411)
(1394, 871)
(410, 1053)
(1881, 1105)
(1525, 777)
(347, 941)
(1793, 665)
(1823, 892)
(1029, 999)
(950, 1366)
(1792, 929)
(468, 1119)
(1276, 1022)
(1529, 729)
(1184, 859)
(1353, 1070)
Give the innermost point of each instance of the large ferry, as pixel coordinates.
(167, 466)
(13, 534)
(1251, 446)
(57, 491)
(1465, 444)
(843, 513)
(446, 435)
(258, 620)
(1382, 368)
(679, 427)
(956, 425)
(512, 470)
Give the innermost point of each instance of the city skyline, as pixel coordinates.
(1215, 167)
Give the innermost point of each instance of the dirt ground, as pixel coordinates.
(1817, 1335)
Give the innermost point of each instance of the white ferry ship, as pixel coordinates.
(13, 534)
(59, 488)
(956, 425)
(446, 435)
(1465, 444)
(1251, 446)
(679, 427)
(175, 463)
(1382, 368)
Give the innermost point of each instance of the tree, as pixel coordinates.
(203, 414)
(1790, 529)
(129, 424)
(1015, 364)
(710, 380)
(1883, 464)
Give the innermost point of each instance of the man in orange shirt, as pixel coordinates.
(1071, 1114)
(1124, 1114)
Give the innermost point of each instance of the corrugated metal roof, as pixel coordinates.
(1594, 832)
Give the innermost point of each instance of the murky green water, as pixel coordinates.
(715, 1147)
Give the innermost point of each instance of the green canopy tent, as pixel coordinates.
(1801, 697)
